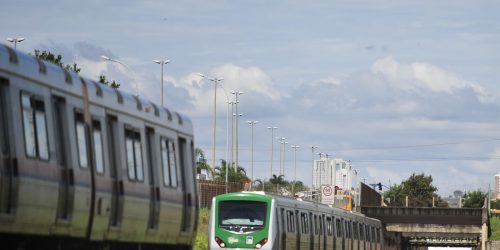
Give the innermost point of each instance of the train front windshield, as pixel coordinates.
(242, 214)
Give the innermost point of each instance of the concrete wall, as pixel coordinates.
(493, 245)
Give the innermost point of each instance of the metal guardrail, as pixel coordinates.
(427, 215)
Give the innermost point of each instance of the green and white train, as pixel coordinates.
(262, 221)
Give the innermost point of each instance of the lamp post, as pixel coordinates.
(161, 62)
(272, 148)
(252, 123)
(295, 147)
(215, 80)
(284, 158)
(125, 66)
(281, 140)
(312, 169)
(15, 41)
(237, 94)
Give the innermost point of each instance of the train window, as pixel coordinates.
(304, 223)
(329, 226)
(347, 231)
(81, 141)
(173, 163)
(35, 127)
(338, 225)
(377, 235)
(168, 162)
(361, 231)
(355, 230)
(367, 233)
(373, 233)
(321, 224)
(99, 157)
(134, 154)
(316, 226)
(290, 221)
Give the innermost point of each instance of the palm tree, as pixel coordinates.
(278, 180)
(201, 162)
(238, 175)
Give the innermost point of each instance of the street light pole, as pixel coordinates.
(281, 140)
(295, 147)
(237, 94)
(161, 62)
(15, 41)
(125, 66)
(252, 123)
(312, 169)
(215, 80)
(272, 147)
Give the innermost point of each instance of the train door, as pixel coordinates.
(8, 168)
(297, 230)
(282, 230)
(66, 174)
(355, 235)
(322, 230)
(311, 231)
(186, 197)
(154, 194)
(116, 181)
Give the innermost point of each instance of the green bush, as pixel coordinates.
(201, 242)
(495, 228)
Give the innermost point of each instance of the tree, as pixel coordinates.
(474, 199)
(114, 84)
(234, 175)
(458, 194)
(420, 191)
(201, 162)
(56, 59)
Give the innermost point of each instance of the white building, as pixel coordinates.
(337, 172)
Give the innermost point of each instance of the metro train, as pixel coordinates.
(86, 166)
(257, 220)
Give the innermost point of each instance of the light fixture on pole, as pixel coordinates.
(281, 140)
(237, 94)
(162, 62)
(235, 149)
(215, 80)
(312, 169)
(125, 66)
(15, 41)
(252, 123)
(272, 148)
(295, 147)
(283, 143)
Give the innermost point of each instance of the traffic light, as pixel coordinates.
(379, 186)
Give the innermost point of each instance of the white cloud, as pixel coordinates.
(424, 77)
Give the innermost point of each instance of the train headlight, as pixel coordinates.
(220, 242)
(261, 243)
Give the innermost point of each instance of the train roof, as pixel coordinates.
(289, 201)
(60, 80)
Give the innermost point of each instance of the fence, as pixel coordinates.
(208, 189)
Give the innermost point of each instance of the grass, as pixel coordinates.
(495, 228)
(201, 242)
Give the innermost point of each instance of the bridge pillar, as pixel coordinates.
(484, 236)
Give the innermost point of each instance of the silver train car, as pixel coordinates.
(256, 220)
(85, 166)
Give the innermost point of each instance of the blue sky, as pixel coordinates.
(394, 86)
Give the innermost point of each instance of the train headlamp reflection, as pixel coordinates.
(261, 243)
(220, 242)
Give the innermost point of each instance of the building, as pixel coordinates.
(497, 187)
(337, 172)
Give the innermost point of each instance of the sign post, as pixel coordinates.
(327, 194)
